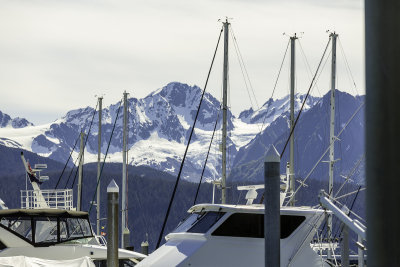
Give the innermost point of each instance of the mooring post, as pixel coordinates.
(112, 224)
(360, 252)
(272, 228)
(145, 247)
(345, 246)
(382, 61)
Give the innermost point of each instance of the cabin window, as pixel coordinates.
(63, 230)
(45, 230)
(252, 225)
(242, 225)
(289, 224)
(20, 225)
(205, 222)
(199, 222)
(187, 223)
(2, 246)
(75, 228)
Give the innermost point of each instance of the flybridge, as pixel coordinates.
(39, 199)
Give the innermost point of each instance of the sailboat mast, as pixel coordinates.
(100, 99)
(224, 109)
(123, 208)
(332, 121)
(80, 173)
(292, 89)
(332, 127)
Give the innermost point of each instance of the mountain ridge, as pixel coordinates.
(159, 125)
(7, 121)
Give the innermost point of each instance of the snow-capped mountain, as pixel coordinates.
(7, 121)
(159, 125)
(274, 108)
(311, 141)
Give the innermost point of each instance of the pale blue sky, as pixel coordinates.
(56, 55)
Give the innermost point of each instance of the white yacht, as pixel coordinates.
(233, 235)
(48, 227)
(54, 234)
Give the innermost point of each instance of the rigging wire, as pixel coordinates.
(76, 174)
(327, 149)
(187, 147)
(276, 83)
(305, 99)
(205, 163)
(70, 155)
(244, 78)
(243, 68)
(70, 173)
(146, 225)
(268, 103)
(86, 140)
(350, 175)
(348, 194)
(105, 157)
(308, 65)
(66, 164)
(347, 65)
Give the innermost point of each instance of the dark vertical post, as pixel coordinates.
(272, 227)
(145, 247)
(112, 224)
(345, 246)
(382, 44)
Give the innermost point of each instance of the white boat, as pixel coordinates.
(48, 227)
(233, 235)
(54, 234)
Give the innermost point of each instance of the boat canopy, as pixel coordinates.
(45, 227)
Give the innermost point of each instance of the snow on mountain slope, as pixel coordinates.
(7, 122)
(24, 137)
(272, 109)
(159, 127)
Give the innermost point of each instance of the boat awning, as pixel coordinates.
(43, 212)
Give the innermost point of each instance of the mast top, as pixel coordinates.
(332, 34)
(226, 20)
(294, 36)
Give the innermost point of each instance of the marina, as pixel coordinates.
(303, 177)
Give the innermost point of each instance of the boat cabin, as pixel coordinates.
(233, 235)
(43, 227)
(55, 234)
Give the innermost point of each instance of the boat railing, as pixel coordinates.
(51, 198)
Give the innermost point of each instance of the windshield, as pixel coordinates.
(199, 222)
(47, 230)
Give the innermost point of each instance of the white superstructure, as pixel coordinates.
(49, 227)
(52, 234)
(233, 235)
